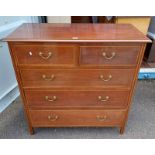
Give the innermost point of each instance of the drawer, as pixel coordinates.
(45, 54)
(109, 55)
(63, 118)
(77, 77)
(73, 98)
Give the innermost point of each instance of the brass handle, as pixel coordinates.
(108, 58)
(101, 118)
(45, 56)
(50, 78)
(53, 118)
(54, 98)
(103, 99)
(109, 78)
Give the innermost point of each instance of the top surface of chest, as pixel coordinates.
(77, 33)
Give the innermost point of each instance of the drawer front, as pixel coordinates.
(110, 56)
(77, 77)
(45, 54)
(87, 99)
(60, 118)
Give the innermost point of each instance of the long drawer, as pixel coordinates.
(109, 55)
(63, 118)
(72, 99)
(45, 54)
(77, 77)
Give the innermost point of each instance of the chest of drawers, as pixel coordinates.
(74, 75)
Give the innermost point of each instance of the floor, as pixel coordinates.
(141, 123)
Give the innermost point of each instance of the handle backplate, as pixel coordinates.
(103, 99)
(48, 78)
(53, 117)
(45, 55)
(50, 99)
(104, 54)
(108, 79)
(101, 118)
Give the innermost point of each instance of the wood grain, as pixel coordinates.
(50, 54)
(36, 99)
(77, 65)
(81, 33)
(66, 118)
(124, 55)
(33, 78)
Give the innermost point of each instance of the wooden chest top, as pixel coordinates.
(77, 33)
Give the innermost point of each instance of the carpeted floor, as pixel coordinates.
(141, 123)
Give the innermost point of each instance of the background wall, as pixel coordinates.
(59, 19)
(8, 84)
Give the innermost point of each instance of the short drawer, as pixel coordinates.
(45, 54)
(109, 55)
(63, 118)
(77, 77)
(73, 98)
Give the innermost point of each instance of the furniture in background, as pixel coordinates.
(93, 19)
(81, 19)
(74, 75)
(140, 22)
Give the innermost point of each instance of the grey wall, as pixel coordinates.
(152, 25)
(8, 84)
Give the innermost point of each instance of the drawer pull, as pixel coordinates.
(108, 58)
(103, 99)
(101, 118)
(54, 98)
(48, 78)
(53, 118)
(45, 56)
(109, 78)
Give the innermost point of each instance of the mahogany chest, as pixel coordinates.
(76, 75)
